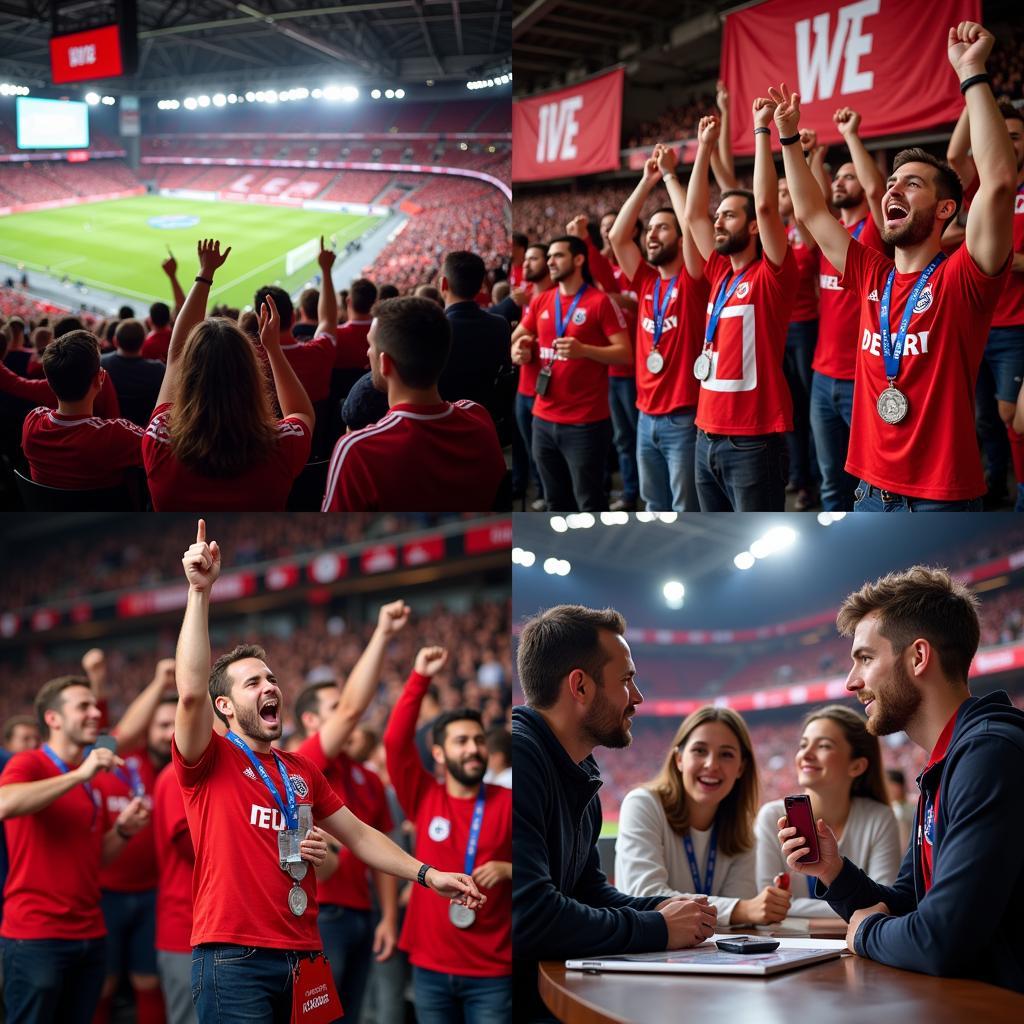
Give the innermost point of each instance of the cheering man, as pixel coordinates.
(251, 812)
(924, 321)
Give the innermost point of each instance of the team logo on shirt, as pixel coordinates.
(301, 789)
(873, 295)
(545, 315)
(743, 291)
(359, 777)
(439, 829)
(579, 318)
(929, 824)
(1018, 206)
(924, 300)
(249, 773)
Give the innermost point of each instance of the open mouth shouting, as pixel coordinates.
(270, 711)
(895, 212)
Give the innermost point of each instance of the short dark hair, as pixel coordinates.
(387, 291)
(947, 182)
(520, 240)
(282, 300)
(465, 272)
(1009, 112)
(70, 364)
(16, 324)
(750, 209)
(921, 603)
(309, 700)
(362, 293)
(543, 246)
(14, 721)
(50, 698)
(125, 313)
(308, 301)
(220, 684)
(577, 247)
(499, 741)
(671, 213)
(443, 720)
(895, 775)
(159, 314)
(129, 335)
(416, 334)
(66, 325)
(563, 638)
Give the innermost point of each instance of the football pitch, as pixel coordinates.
(118, 245)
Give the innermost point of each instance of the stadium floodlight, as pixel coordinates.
(250, 96)
(232, 97)
(645, 517)
(389, 94)
(260, 95)
(318, 94)
(614, 518)
(203, 101)
(399, 94)
(551, 566)
(558, 524)
(580, 520)
(220, 100)
(190, 103)
(108, 101)
(674, 592)
(744, 560)
(522, 557)
(332, 92)
(92, 98)
(564, 568)
(271, 96)
(667, 517)
(375, 94)
(349, 93)
(775, 540)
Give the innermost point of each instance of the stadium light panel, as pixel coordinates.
(375, 94)
(614, 518)
(527, 559)
(271, 96)
(108, 101)
(203, 101)
(558, 524)
(92, 98)
(399, 94)
(775, 540)
(318, 94)
(190, 103)
(674, 592)
(220, 100)
(260, 95)
(668, 517)
(232, 97)
(645, 517)
(551, 566)
(250, 96)
(389, 94)
(744, 560)
(349, 93)
(332, 92)
(564, 568)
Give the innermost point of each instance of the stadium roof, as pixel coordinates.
(225, 42)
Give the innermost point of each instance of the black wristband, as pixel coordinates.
(790, 139)
(205, 280)
(973, 80)
(762, 131)
(422, 876)
(121, 834)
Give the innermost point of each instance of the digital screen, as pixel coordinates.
(84, 56)
(52, 124)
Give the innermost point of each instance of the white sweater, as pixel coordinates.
(650, 859)
(870, 839)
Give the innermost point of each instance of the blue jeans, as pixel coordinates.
(831, 411)
(130, 918)
(52, 981)
(801, 337)
(741, 474)
(622, 402)
(1004, 353)
(874, 499)
(524, 420)
(348, 942)
(571, 458)
(454, 998)
(665, 453)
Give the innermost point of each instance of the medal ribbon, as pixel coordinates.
(859, 229)
(133, 780)
(474, 833)
(561, 326)
(724, 295)
(659, 309)
(702, 887)
(64, 769)
(290, 812)
(891, 354)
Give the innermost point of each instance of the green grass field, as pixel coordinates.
(111, 245)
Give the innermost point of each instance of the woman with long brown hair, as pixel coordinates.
(839, 766)
(690, 829)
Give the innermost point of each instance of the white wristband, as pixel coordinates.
(667, 175)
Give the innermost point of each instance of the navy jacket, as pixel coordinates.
(481, 346)
(562, 904)
(969, 923)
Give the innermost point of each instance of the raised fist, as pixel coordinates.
(847, 121)
(708, 130)
(763, 110)
(968, 47)
(392, 617)
(577, 227)
(430, 660)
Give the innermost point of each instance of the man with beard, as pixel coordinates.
(744, 407)
(574, 333)
(579, 681)
(462, 963)
(672, 294)
(426, 454)
(924, 320)
(258, 817)
(914, 635)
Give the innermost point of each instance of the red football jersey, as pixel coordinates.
(933, 452)
(53, 886)
(134, 868)
(623, 286)
(1010, 307)
(175, 860)
(675, 387)
(806, 305)
(363, 794)
(263, 488)
(442, 836)
(515, 275)
(240, 893)
(747, 392)
(79, 452)
(839, 319)
(157, 344)
(419, 458)
(312, 362)
(352, 347)
(106, 405)
(528, 372)
(578, 389)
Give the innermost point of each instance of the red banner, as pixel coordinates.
(426, 549)
(884, 58)
(569, 132)
(86, 56)
(493, 537)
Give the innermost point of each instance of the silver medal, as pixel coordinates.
(298, 871)
(892, 405)
(297, 900)
(655, 362)
(305, 818)
(288, 851)
(460, 916)
(702, 366)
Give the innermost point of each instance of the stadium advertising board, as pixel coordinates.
(86, 56)
(877, 56)
(568, 132)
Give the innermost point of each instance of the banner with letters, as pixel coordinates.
(884, 58)
(569, 132)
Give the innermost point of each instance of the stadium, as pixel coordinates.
(308, 590)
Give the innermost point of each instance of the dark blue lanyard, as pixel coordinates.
(892, 354)
(659, 309)
(811, 883)
(64, 769)
(561, 326)
(724, 295)
(474, 833)
(290, 813)
(704, 887)
(133, 780)
(859, 229)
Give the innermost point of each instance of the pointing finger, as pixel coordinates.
(201, 532)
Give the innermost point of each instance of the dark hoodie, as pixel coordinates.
(968, 925)
(562, 904)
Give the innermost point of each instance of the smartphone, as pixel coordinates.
(747, 944)
(801, 817)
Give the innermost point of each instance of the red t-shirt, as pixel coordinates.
(442, 836)
(747, 393)
(79, 452)
(1010, 307)
(240, 893)
(312, 362)
(419, 458)
(623, 286)
(930, 810)
(157, 344)
(528, 372)
(263, 488)
(578, 389)
(515, 275)
(806, 305)
(352, 347)
(836, 352)
(175, 858)
(134, 868)
(933, 452)
(363, 794)
(675, 387)
(53, 886)
(105, 406)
